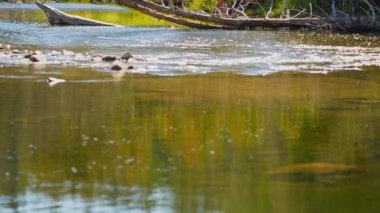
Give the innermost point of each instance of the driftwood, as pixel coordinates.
(57, 17)
(171, 17)
(153, 9)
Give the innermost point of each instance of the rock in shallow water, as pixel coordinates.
(5, 46)
(15, 51)
(109, 58)
(38, 58)
(117, 65)
(126, 56)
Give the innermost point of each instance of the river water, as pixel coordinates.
(207, 121)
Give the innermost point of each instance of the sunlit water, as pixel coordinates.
(169, 51)
(195, 128)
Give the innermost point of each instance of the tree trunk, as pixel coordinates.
(154, 13)
(151, 8)
(57, 17)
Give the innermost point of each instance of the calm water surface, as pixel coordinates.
(203, 124)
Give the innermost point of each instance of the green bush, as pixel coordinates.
(205, 5)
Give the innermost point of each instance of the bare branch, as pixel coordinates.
(270, 9)
(298, 13)
(311, 10)
(371, 8)
(333, 9)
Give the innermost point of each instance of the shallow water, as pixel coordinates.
(200, 126)
(170, 51)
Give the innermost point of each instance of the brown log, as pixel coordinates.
(224, 21)
(57, 17)
(175, 19)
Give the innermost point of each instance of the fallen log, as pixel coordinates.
(238, 23)
(172, 17)
(57, 17)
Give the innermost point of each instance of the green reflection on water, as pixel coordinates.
(211, 140)
(124, 16)
(128, 18)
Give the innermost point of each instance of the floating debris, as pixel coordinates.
(53, 81)
(129, 160)
(74, 170)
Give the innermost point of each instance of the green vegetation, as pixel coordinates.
(346, 15)
(205, 5)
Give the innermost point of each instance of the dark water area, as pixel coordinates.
(209, 121)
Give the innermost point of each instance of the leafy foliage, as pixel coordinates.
(206, 5)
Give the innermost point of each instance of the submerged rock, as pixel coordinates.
(316, 172)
